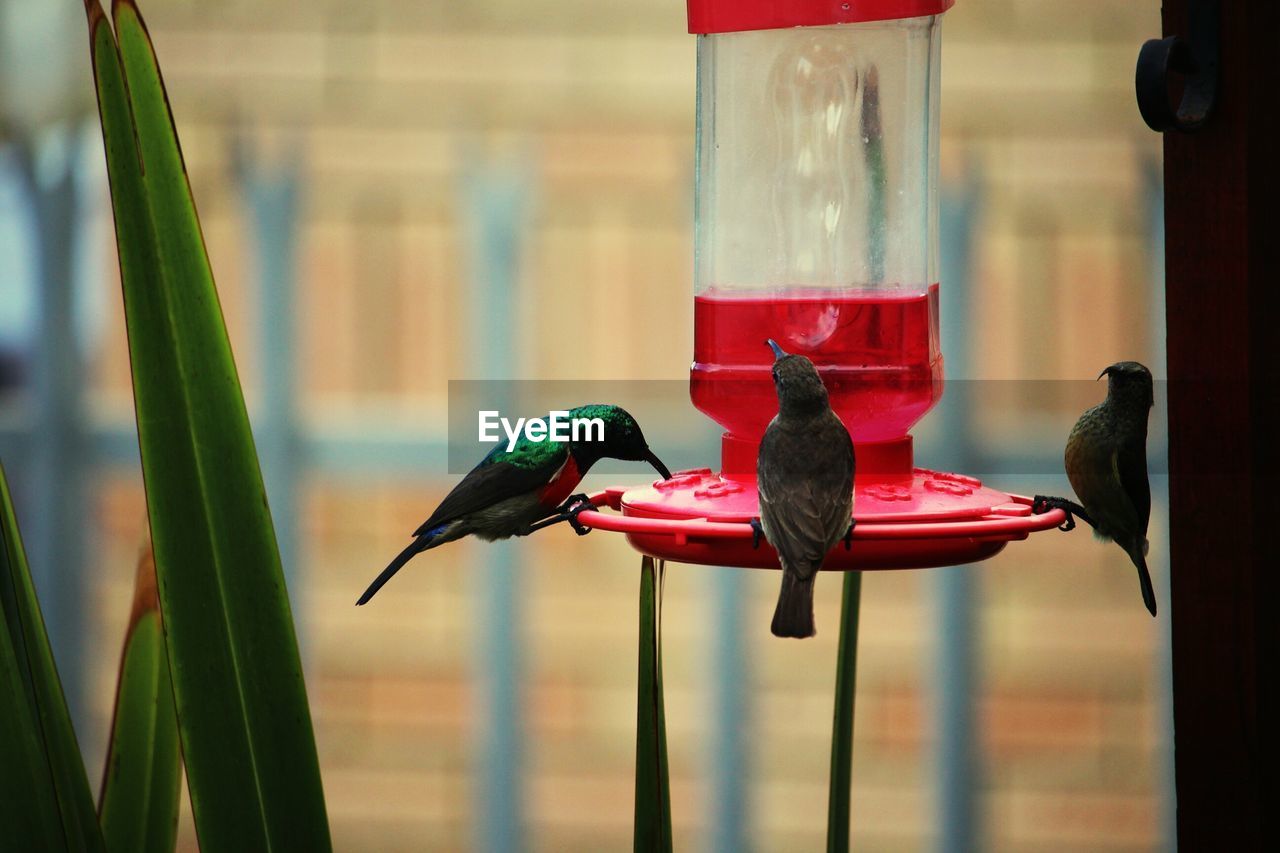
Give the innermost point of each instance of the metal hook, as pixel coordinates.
(1196, 58)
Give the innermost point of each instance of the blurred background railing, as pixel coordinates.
(399, 194)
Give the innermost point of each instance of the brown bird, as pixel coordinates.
(1106, 462)
(804, 474)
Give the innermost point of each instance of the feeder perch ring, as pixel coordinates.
(926, 521)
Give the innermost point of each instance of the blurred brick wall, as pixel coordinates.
(386, 103)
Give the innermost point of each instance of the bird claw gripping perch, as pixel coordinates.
(567, 511)
(1041, 504)
(575, 505)
(757, 533)
(848, 534)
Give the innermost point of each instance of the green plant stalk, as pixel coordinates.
(652, 827)
(143, 773)
(29, 815)
(842, 723)
(45, 802)
(247, 740)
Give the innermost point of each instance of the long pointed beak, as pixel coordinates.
(778, 352)
(1103, 373)
(652, 459)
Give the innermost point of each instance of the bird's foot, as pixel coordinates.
(848, 534)
(1041, 504)
(757, 533)
(576, 505)
(567, 511)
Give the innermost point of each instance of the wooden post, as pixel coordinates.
(1224, 425)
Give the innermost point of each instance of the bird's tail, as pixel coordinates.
(420, 544)
(1137, 553)
(794, 614)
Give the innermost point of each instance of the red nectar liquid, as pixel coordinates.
(876, 350)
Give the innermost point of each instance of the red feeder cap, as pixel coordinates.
(729, 16)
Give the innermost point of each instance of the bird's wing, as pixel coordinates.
(1130, 464)
(837, 480)
(794, 527)
(1089, 460)
(499, 476)
(1093, 469)
(805, 513)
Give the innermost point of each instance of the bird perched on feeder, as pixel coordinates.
(1106, 462)
(515, 491)
(804, 475)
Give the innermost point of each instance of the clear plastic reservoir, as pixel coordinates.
(816, 221)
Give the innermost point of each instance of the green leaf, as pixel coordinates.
(842, 724)
(652, 830)
(246, 732)
(45, 803)
(143, 774)
(29, 817)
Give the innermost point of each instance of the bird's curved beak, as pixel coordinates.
(652, 459)
(1106, 372)
(778, 352)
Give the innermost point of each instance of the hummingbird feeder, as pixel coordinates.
(816, 215)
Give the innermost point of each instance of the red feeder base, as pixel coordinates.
(913, 519)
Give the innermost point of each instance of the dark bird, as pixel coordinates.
(804, 474)
(1106, 462)
(515, 492)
